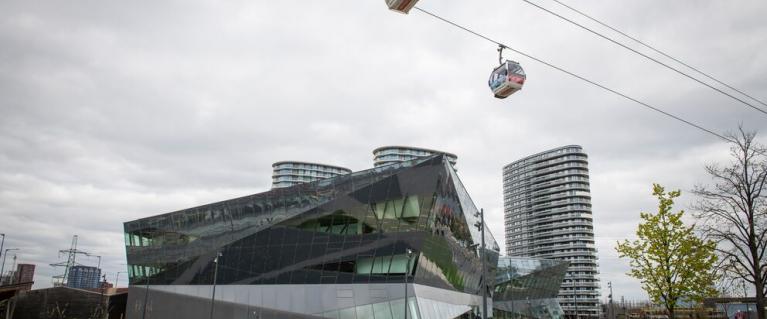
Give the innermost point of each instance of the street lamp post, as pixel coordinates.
(99, 264)
(529, 307)
(102, 286)
(2, 268)
(10, 278)
(2, 243)
(215, 275)
(481, 226)
(146, 292)
(612, 309)
(407, 272)
(117, 277)
(575, 293)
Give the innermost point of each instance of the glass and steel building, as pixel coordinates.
(396, 154)
(289, 173)
(83, 277)
(547, 212)
(378, 243)
(528, 288)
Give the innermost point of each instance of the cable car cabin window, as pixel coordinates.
(498, 77)
(515, 68)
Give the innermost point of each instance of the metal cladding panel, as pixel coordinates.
(360, 301)
(162, 305)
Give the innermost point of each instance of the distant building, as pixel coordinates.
(289, 173)
(83, 277)
(24, 273)
(396, 154)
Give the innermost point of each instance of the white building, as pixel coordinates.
(395, 154)
(289, 173)
(547, 212)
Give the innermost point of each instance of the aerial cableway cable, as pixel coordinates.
(659, 51)
(648, 57)
(699, 127)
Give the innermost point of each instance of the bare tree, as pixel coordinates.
(734, 212)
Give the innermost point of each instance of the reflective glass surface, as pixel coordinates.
(528, 288)
(411, 222)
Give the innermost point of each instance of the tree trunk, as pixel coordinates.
(760, 299)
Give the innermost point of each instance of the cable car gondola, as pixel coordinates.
(507, 78)
(401, 6)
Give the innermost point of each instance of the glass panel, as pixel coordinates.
(398, 264)
(379, 209)
(398, 309)
(347, 314)
(382, 311)
(390, 212)
(412, 207)
(364, 266)
(365, 311)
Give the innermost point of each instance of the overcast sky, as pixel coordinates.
(116, 110)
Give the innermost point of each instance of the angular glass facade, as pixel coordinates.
(528, 288)
(343, 247)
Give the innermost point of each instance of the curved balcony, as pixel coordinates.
(555, 232)
(560, 217)
(568, 186)
(559, 167)
(574, 172)
(581, 284)
(563, 246)
(561, 239)
(556, 225)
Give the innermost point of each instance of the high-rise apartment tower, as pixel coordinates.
(395, 154)
(289, 173)
(83, 277)
(547, 213)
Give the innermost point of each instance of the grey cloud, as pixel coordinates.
(116, 111)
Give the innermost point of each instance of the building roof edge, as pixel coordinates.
(543, 152)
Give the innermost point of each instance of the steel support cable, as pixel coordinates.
(647, 57)
(575, 75)
(659, 51)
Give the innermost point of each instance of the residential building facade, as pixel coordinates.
(396, 154)
(24, 273)
(83, 277)
(547, 213)
(289, 173)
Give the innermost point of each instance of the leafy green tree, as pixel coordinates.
(670, 260)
